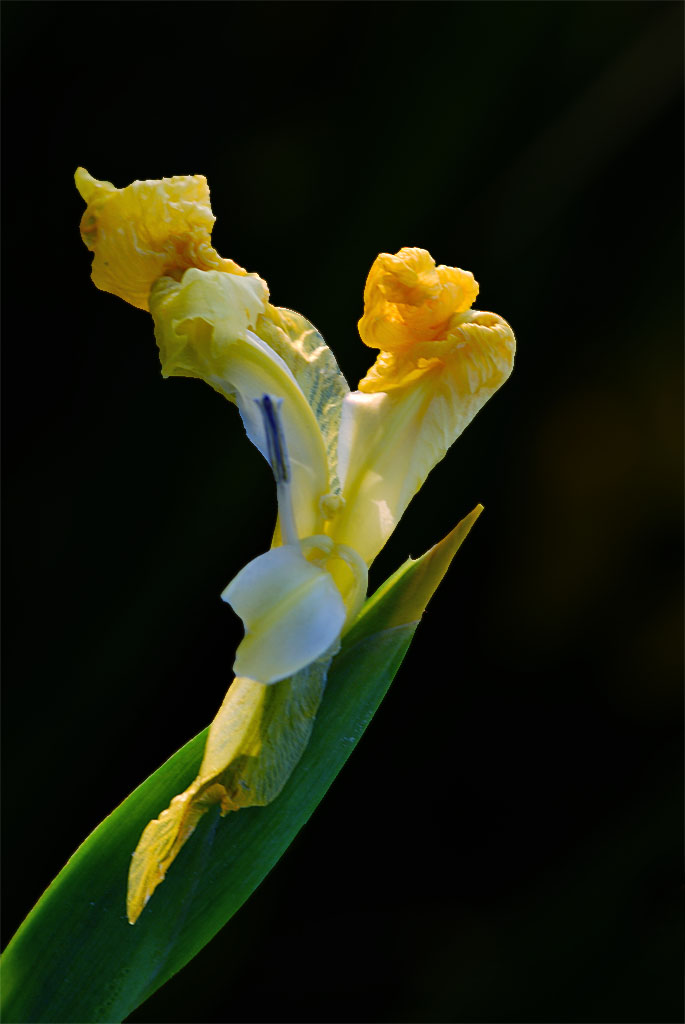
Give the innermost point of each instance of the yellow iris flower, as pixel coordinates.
(346, 464)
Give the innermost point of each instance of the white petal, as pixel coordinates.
(292, 612)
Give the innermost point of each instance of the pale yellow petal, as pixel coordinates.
(161, 842)
(204, 327)
(390, 440)
(315, 369)
(254, 743)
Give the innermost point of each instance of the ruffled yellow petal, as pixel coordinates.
(204, 325)
(146, 230)
(439, 364)
(408, 299)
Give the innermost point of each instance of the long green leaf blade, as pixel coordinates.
(76, 958)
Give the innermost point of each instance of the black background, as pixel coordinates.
(504, 845)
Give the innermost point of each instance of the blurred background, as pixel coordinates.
(533, 731)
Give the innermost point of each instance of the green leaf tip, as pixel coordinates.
(405, 595)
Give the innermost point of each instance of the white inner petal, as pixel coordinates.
(292, 612)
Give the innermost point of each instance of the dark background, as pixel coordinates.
(505, 844)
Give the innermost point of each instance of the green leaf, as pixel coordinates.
(76, 958)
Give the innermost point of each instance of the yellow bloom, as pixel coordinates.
(345, 464)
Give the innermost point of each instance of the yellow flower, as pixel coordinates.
(345, 464)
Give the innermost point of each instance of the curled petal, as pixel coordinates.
(292, 611)
(146, 230)
(230, 304)
(204, 325)
(408, 299)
